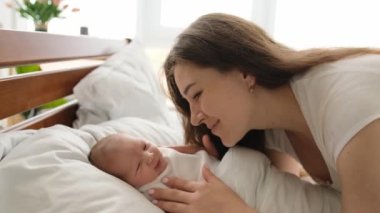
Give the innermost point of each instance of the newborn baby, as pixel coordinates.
(248, 172)
(143, 165)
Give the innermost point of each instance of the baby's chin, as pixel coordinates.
(162, 165)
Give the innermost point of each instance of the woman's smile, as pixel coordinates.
(214, 127)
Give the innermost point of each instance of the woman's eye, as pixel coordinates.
(197, 95)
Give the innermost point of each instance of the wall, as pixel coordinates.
(9, 19)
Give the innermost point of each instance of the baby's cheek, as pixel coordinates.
(147, 176)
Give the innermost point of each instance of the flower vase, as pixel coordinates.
(41, 26)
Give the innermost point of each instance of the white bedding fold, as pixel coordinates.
(49, 171)
(262, 186)
(125, 85)
(10, 140)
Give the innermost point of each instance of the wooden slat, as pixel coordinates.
(64, 114)
(18, 47)
(22, 92)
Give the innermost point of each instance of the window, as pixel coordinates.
(324, 23)
(107, 19)
(161, 20)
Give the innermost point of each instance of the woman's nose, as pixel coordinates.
(197, 118)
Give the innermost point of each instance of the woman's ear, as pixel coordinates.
(250, 81)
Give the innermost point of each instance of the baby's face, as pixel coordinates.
(135, 161)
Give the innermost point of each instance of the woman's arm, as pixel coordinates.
(208, 196)
(359, 171)
(285, 162)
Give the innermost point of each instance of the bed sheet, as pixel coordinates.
(48, 170)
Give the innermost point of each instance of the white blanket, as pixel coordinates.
(262, 186)
(48, 171)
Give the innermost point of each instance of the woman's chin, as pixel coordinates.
(228, 142)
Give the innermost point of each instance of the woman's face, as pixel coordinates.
(222, 101)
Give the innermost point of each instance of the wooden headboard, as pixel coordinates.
(19, 93)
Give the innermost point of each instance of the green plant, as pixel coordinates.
(40, 11)
(30, 113)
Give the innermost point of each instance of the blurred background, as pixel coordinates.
(296, 23)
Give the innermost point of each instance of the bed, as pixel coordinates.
(44, 164)
(111, 87)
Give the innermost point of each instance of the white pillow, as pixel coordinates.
(49, 171)
(125, 85)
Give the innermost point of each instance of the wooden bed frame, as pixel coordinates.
(19, 93)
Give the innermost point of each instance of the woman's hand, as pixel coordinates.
(187, 149)
(208, 196)
(208, 146)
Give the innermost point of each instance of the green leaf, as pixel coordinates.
(41, 12)
(27, 68)
(53, 104)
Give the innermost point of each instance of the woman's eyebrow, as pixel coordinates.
(187, 88)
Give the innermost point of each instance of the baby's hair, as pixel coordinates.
(99, 150)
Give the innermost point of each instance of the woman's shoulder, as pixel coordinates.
(338, 99)
(338, 78)
(361, 64)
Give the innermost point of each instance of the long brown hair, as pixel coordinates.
(225, 42)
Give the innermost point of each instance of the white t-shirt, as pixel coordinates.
(337, 99)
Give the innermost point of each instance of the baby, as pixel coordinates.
(262, 186)
(143, 165)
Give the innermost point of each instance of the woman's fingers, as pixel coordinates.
(169, 195)
(208, 175)
(187, 149)
(181, 184)
(209, 146)
(171, 206)
(179, 190)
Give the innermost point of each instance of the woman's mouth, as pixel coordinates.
(213, 128)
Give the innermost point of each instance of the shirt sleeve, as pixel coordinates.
(340, 100)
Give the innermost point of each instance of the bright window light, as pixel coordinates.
(106, 19)
(325, 23)
(178, 14)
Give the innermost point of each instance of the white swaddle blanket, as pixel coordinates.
(250, 174)
(187, 166)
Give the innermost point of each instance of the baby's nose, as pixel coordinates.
(149, 157)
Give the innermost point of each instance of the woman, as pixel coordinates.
(321, 106)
